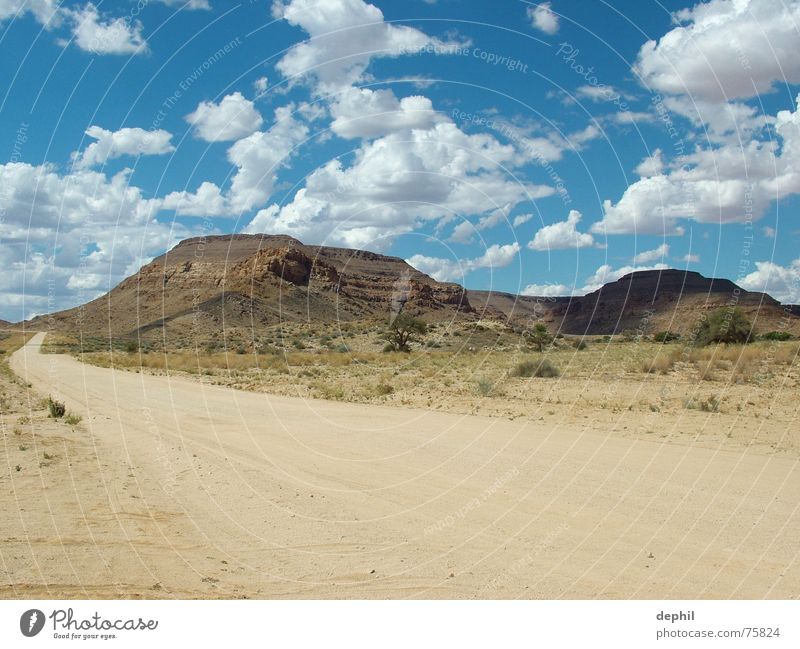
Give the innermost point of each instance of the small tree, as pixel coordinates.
(404, 330)
(539, 336)
(726, 325)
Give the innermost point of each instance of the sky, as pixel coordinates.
(533, 148)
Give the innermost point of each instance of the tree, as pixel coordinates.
(404, 330)
(726, 325)
(539, 336)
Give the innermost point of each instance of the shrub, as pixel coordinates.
(777, 335)
(485, 387)
(404, 330)
(725, 325)
(383, 389)
(132, 346)
(56, 408)
(539, 336)
(658, 365)
(582, 344)
(666, 337)
(72, 419)
(540, 369)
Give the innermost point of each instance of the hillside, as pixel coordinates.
(644, 302)
(248, 281)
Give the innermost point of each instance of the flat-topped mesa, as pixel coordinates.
(251, 279)
(672, 283)
(653, 300)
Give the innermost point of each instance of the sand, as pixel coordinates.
(173, 488)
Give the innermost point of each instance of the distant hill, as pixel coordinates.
(644, 302)
(246, 282)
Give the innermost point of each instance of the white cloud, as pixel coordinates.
(543, 18)
(521, 219)
(725, 49)
(647, 256)
(233, 118)
(94, 34)
(261, 85)
(601, 92)
(463, 232)
(628, 117)
(561, 235)
(365, 113)
(208, 200)
(653, 165)
(768, 232)
(45, 11)
(399, 181)
(450, 270)
(731, 183)
(67, 238)
(345, 36)
(781, 282)
(690, 258)
(547, 290)
(126, 141)
(259, 156)
(187, 4)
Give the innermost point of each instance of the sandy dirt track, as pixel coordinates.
(179, 489)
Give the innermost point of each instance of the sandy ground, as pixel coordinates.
(173, 488)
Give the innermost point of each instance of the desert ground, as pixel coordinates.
(640, 471)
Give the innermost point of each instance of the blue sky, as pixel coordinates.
(539, 148)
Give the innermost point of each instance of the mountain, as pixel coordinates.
(244, 282)
(645, 302)
(247, 281)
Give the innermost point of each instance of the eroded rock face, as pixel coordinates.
(273, 277)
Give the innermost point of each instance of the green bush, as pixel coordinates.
(725, 325)
(666, 337)
(540, 369)
(132, 346)
(72, 419)
(56, 408)
(777, 335)
(581, 344)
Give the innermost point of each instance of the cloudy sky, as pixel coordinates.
(541, 148)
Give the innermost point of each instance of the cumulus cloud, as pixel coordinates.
(45, 11)
(105, 229)
(543, 18)
(449, 270)
(547, 290)
(97, 35)
(233, 118)
(781, 282)
(768, 232)
(399, 181)
(365, 113)
(731, 183)
(345, 36)
(521, 219)
(647, 256)
(187, 4)
(690, 258)
(561, 235)
(653, 165)
(725, 49)
(126, 141)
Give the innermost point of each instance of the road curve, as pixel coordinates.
(215, 492)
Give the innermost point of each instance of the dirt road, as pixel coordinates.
(188, 490)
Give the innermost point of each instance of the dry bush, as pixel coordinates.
(661, 364)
